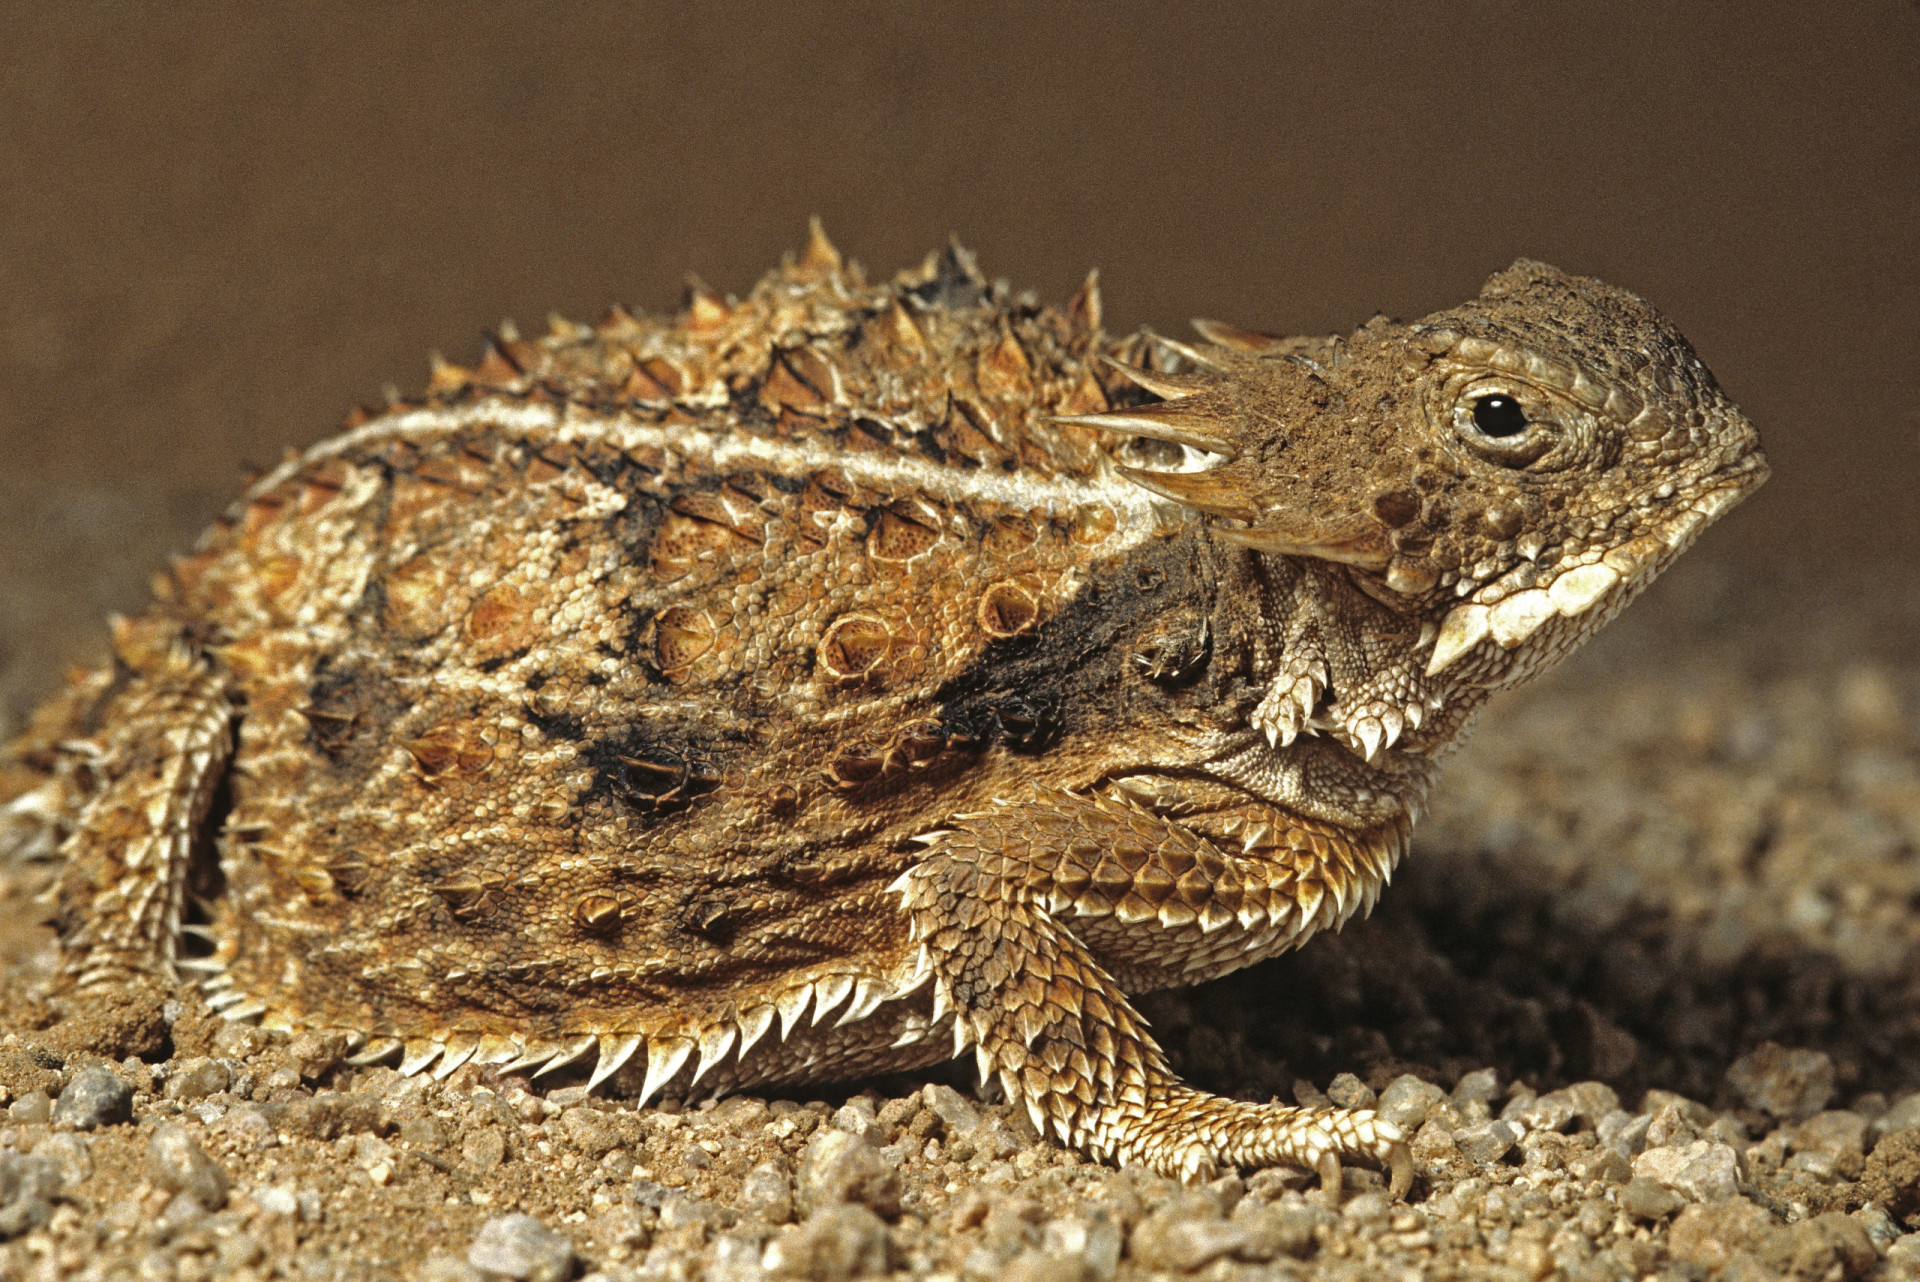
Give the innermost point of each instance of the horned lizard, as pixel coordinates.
(855, 675)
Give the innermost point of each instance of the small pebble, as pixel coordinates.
(1187, 1234)
(448, 1268)
(238, 1251)
(1095, 1241)
(1837, 1134)
(1407, 1101)
(1036, 1265)
(952, 1107)
(31, 1109)
(1703, 1171)
(856, 1117)
(768, 1193)
(197, 1078)
(836, 1167)
(278, 1200)
(832, 1245)
(1624, 1132)
(1553, 1111)
(590, 1131)
(95, 1097)
(1592, 1101)
(484, 1149)
(1485, 1141)
(314, 1054)
(1789, 1084)
(681, 1210)
(28, 1187)
(1348, 1091)
(177, 1163)
(1483, 1084)
(1648, 1199)
(625, 1225)
(70, 1155)
(521, 1247)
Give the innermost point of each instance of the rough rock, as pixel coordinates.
(1407, 1100)
(1789, 1084)
(519, 1246)
(833, 1244)
(197, 1078)
(837, 1167)
(177, 1163)
(95, 1097)
(1485, 1141)
(28, 1186)
(1702, 1171)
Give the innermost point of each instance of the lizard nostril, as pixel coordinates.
(1396, 507)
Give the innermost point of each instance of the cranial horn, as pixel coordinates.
(1167, 421)
(1208, 492)
(1171, 386)
(1221, 334)
(1188, 350)
(1365, 549)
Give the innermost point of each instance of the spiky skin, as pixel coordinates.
(798, 688)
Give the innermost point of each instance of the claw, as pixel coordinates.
(1329, 1169)
(1400, 1161)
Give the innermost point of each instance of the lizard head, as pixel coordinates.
(1512, 471)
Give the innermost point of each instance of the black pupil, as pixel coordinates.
(1499, 416)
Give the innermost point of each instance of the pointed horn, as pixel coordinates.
(715, 1042)
(1084, 309)
(1366, 549)
(460, 1048)
(1168, 421)
(1171, 386)
(1204, 491)
(1221, 334)
(573, 1050)
(819, 255)
(615, 1051)
(665, 1055)
(419, 1055)
(1187, 350)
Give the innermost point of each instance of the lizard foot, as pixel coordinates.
(1193, 1136)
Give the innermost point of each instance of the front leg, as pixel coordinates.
(990, 905)
(163, 740)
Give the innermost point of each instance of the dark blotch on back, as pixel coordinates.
(653, 775)
(1031, 691)
(349, 705)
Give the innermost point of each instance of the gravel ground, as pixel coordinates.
(1648, 997)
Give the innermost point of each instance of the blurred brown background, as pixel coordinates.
(219, 229)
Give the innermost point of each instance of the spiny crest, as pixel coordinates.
(730, 1034)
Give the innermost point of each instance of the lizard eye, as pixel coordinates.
(1504, 424)
(1499, 415)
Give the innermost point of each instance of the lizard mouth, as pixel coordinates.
(1591, 588)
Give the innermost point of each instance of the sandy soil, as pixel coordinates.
(1648, 995)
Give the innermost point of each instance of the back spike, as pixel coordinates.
(819, 255)
(1221, 334)
(1084, 308)
(461, 1047)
